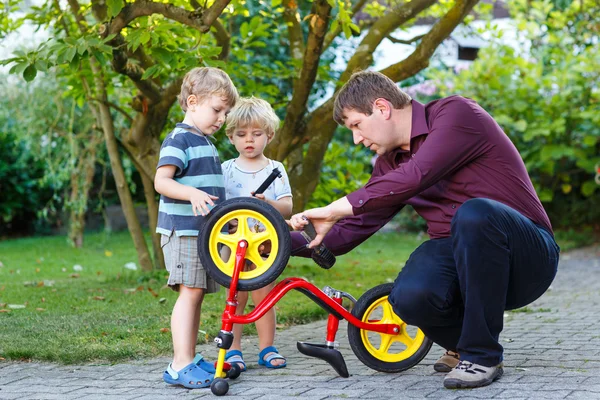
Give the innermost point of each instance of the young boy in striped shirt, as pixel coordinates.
(190, 181)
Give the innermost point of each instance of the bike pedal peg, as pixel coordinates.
(326, 353)
(323, 257)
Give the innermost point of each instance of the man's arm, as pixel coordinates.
(456, 138)
(349, 231)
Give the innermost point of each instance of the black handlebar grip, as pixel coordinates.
(320, 254)
(274, 175)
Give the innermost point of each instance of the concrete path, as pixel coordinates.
(552, 351)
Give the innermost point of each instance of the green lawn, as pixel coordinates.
(105, 312)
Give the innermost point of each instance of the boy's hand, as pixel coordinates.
(260, 196)
(202, 202)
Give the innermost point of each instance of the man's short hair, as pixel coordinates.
(206, 81)
(361, 91)
(252, 112)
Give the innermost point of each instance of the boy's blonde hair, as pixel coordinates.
(252, 112)
(206, 81)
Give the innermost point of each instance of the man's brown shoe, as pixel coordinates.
(447, 362)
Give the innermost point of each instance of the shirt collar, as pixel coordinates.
(419, 127)
(419, 120)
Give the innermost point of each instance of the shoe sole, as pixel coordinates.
(460, 384)
(442, 367)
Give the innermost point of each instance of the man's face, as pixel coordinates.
(372, 131)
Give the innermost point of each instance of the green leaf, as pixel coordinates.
(114, 6)
(335, 24)
(19, 68)
(590, 140)
(30, 73)
(347, 31)
(153, 70)
(588, 188)
(521, 125)
(70, 53)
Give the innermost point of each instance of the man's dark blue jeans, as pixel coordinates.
(456, 289)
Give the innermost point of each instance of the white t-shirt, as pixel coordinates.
(240, 183)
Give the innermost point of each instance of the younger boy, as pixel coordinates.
(190, 181)
(250, 127)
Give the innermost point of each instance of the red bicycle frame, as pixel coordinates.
(331, 304)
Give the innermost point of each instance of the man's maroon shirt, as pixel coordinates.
(457, 152)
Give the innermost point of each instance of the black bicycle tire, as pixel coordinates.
(281, 229)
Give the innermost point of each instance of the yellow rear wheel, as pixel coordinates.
(384, 352)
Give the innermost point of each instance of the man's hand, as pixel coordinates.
(321, 218)
(202, 202)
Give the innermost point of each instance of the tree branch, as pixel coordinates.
(402, 41)
(400, 14)
(297, 107)
(223, 39)
(419, 59)
(295, 35)
(115, 106)
(198, 19)
(122, 65)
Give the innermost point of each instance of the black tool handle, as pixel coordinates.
(320, 254)
(274, 175)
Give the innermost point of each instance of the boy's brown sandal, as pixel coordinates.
(447, 362)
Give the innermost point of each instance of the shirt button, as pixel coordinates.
(360, 202)
(391, 193)
(179, 265)
(412, 155)
(453, 205)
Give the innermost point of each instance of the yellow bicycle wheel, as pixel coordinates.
(384, 352)
(255, 222)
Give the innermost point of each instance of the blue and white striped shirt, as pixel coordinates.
(198, 165)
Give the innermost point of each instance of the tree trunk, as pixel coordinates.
(104, 118)
(159, 260)
(81, 182)
(119, 174)
(142, 142)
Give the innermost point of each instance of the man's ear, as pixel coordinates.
(383, 107)
(192, 101)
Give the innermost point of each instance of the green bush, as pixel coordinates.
(345, 169)
(545, 96)
(21, 190)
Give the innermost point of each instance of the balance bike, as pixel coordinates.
(378, 337)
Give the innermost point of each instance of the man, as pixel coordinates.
(491, 244)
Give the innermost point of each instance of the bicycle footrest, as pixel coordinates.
(324, 352)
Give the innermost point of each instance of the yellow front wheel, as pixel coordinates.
(379, 351)
(257, 223)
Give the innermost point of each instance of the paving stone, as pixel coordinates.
(551, 352)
